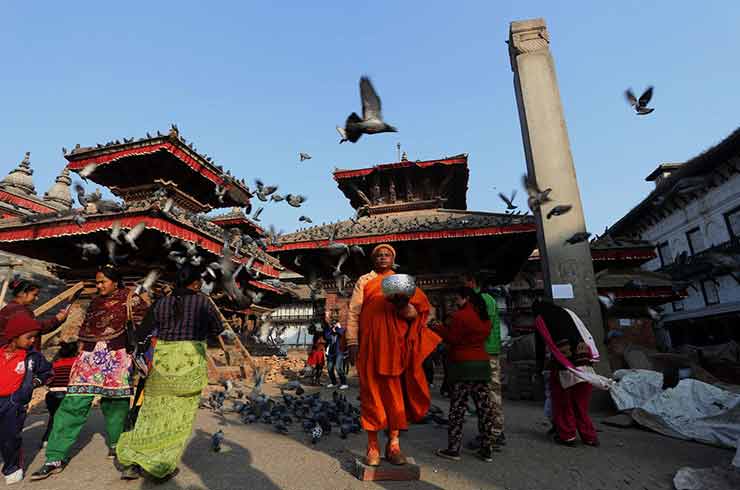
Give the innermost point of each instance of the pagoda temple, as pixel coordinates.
(420, 208)
(163, 181)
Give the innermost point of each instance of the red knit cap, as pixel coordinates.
(19, 324)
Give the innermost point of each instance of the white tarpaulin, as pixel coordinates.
(692, 410)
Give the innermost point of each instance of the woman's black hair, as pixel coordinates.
(186, 275)
(111, 272)
(20, 286)
(476, 301)
(67, 349)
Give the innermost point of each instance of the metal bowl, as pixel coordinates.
(403, 284)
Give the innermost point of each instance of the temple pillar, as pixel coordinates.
(550, 164)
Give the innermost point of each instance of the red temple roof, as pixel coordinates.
(129, 166)
(407, 185)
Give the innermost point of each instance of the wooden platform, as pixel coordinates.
(386, 471)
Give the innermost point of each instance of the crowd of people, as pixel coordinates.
(391, 340)
(119, 339)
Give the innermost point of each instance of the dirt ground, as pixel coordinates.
(256, 457)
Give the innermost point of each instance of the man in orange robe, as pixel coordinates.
(388, 340)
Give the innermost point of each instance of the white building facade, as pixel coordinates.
(693, 217)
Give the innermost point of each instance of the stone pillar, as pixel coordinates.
(550, 164)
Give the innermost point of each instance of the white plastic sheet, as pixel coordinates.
(692, 410)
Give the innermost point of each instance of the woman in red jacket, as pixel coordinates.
(469, 372)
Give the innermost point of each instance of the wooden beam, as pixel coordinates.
(69, 294)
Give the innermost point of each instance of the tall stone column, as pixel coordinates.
(550, 164)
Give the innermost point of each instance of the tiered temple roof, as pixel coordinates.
(419, 207)
(147, 173)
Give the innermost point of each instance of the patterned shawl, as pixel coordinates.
(105, 318)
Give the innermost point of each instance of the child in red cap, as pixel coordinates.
(21, 370)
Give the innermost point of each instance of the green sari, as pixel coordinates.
(165, 423)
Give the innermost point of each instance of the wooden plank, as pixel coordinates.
(69, 294)
(64, 296)
(239, 344)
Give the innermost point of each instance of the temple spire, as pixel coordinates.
(19, 180)
(59, 195)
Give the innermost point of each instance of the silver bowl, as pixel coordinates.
(402, 284)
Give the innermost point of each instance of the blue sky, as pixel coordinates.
(253, 84)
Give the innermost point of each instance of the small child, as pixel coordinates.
(62, 366)
(21, 370)
(317, 357)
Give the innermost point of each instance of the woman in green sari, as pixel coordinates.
(181, 322)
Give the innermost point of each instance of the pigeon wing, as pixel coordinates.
(630, 97)
(370, 100)
(645, 97)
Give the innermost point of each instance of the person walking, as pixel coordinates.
(335, 358)
(102, 368)
(469, 373)
(183, 321)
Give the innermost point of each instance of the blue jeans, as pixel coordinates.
(12, 417)
(336, 365)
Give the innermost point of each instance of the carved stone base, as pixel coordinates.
(386, 471)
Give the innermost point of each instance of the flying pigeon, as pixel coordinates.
(256, 215)
(304, 156)
(115, 232)
(220, 193)
(276, 197)
(559, 210)
(372, 118)
(149, 281)
(112, 257)
(537, 197)
(169, 241)
(87, 171)
(134, 234)
(640, 104)
(508, 200)
(608, 300)
(88, 249)
(579, 237)
(305, 218)
(295, 200)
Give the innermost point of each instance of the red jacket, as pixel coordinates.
(466, 336)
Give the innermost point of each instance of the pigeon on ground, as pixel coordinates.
(295, 200)
(640, 104)
(536, 197)
(216, 440)
(372, 118)
(559, 210)
(508, 200)
(304, 156)
(579, 237)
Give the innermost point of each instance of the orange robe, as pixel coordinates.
(393, 388)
